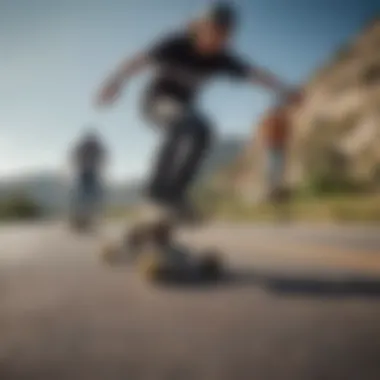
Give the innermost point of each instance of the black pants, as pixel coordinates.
(88, 185)
(186, 142)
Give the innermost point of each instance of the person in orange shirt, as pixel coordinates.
(277, 129)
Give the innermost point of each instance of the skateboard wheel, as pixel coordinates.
(161, 233)
(210, 264)
(151, 266)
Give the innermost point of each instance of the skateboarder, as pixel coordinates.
(183, 61)
(277, 131)
(88, 158)
(277, 128)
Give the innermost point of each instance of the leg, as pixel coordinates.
(192, 148)
(78, 200)
(276, 171)
(194, 144)
(80, 193)
(159, 185)
(157, 192)
(178, 162)
(91, 191)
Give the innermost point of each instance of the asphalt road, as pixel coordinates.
(301, 303)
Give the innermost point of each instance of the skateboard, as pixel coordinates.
(151, 248)
(172, 262)
(179, 264)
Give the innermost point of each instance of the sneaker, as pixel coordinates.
(186, 212)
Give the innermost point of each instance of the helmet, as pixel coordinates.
(223, 15)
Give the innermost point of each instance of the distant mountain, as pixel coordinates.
(52, 191)
(47, 189)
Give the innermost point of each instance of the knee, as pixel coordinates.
(202, 129)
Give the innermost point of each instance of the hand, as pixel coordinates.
(109, 93)
(294, 97)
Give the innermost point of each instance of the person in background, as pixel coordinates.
(277, 128)
(88, 158)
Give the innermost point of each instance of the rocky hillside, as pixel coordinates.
(337, 129)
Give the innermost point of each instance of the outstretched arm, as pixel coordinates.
(258, 76)
(265, 78)
(111, 89)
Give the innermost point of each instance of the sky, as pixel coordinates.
(55, 54)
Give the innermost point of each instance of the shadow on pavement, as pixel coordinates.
(317, 285)
(279, 282)
(308, 285)
(324, 287)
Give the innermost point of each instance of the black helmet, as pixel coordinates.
(223, 15)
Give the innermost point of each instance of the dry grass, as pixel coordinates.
(362, 209)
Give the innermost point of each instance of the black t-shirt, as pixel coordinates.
(181, 70)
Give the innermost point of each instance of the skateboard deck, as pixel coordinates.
(171, 263)
(179, 264)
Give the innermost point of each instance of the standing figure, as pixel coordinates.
(88, 158)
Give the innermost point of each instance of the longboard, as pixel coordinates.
(172, 263)
(159, 257)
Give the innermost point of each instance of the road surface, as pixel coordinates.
(302, 303)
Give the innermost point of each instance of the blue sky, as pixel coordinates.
(55, 53)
